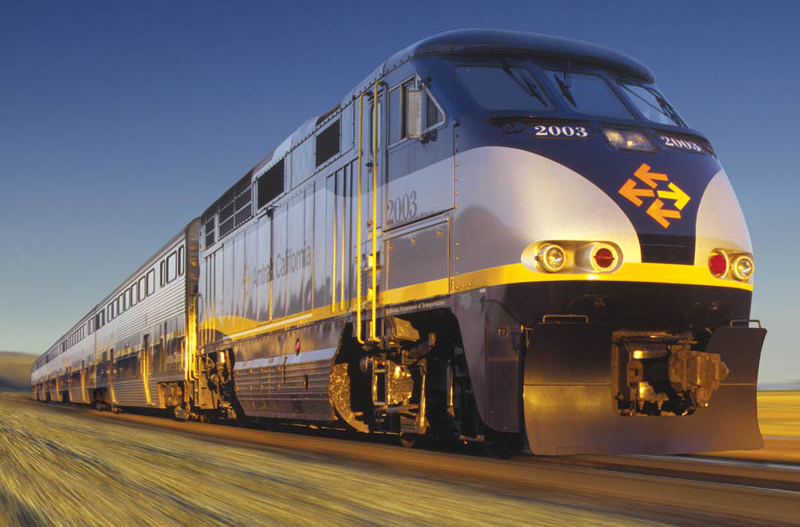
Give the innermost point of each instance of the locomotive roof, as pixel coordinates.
(503, 42)
(470, 42)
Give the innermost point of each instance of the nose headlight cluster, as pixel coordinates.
(738, 265)
(572, 256)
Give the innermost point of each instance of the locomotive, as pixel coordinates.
(495, 237)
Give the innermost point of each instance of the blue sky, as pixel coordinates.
(120, 121)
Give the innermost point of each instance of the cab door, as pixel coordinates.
(419, 191)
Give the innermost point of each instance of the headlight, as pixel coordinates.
(742, 267)
(552, 257)
(628, 140)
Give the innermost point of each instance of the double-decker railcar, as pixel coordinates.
(496, 236)
(131, 349)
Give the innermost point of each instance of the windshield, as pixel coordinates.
(515, 88)
(651, 104)
(503, 88)
(589, 94)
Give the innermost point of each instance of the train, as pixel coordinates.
(496, 237)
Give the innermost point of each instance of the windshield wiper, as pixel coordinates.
(529, 88)
(668, 110)
(565, 91)
(664, 107)
(564, 85)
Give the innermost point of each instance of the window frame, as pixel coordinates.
(141, 286)
(151, 282)
(416, 83)
(173, 254)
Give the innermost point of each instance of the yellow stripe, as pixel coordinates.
(629, 272)
(238, 327)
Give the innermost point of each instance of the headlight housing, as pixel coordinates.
(731, 264)
(572, 256)
(552, 257)
(742, 267)
(628, 140)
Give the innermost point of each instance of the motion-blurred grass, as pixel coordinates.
(779, 413)
(15, 371)
(62, 467)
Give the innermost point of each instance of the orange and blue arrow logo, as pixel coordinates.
(653, 180)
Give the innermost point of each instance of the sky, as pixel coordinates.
(121, 121)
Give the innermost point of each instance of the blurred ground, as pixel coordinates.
(15, 370)
(58, 467)
(65, 466)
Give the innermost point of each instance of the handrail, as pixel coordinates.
(372, 333)
(358, 228)
(333, 272)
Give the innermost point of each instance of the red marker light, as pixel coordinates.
(718, 264)
(604, 258)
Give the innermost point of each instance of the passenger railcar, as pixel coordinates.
(496, 236)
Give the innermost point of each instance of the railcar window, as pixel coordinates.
(142, 288)
(180, 261)
(151, 282)
(587, 93)
(126, 300)
(163, 273)
(327, 142)
(134, 294)
(270, 184)
(503, 88)
(118, 309)
(651, 104)
(172, 267)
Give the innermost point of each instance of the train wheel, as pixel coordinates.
(409, 440)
